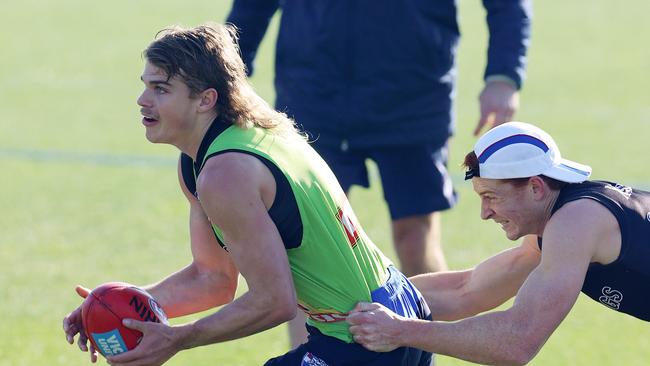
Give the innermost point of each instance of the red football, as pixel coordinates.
(105, 307)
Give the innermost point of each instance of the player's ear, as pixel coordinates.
(538, 187)
(208, 99)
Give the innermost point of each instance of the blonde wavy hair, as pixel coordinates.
(207, 56)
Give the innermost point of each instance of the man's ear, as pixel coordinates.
(538, 187)
(208, 99)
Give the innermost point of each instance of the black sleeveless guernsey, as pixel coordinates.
(623, 285)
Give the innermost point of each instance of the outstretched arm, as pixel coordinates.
(455, 295)
(515, 335)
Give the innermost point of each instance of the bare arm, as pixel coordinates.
(209, 280)
(572, 239)
(458, 294)
(233, 188)
(235, 191)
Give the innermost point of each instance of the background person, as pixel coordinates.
(578, 235)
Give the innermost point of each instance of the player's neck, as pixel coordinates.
(192, 141)
(548, 208)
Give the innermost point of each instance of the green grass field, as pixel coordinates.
(75, 210)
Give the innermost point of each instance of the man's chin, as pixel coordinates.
(152, 137)
(513, 236)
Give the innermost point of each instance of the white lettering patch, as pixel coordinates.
(611, 298)
(109, 343)
(623, 190)
(310, 360)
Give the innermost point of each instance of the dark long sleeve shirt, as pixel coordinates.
(376, 72)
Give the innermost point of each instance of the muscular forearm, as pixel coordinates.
(247, 315)
(188, 291)
(440, 290)
(456, 295)
(445, 294)
(494, 338)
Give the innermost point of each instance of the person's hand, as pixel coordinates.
(72, 325)
(499, 102)
(376, 327)
(159, 343)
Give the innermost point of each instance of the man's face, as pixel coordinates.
(167, 109)
(508, 205)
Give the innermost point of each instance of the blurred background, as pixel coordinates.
(86, 199)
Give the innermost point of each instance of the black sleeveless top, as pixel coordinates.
(283, 212)
(623, 285)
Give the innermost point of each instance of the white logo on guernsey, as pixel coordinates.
(647, 216)
(310, 360)
(611, 298)
(624, 190)
(323, 315)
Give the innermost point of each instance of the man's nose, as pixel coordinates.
(144, 100)
(486, 211)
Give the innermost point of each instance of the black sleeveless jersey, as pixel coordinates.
(623, 285)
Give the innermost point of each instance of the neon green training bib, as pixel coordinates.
(336, 264)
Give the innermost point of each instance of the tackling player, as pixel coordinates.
(578, 235)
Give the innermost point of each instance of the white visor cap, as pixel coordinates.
(521, 150)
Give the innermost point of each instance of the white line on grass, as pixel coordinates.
(58, 156)
(124, 160)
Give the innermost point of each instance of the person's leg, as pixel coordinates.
(416, 187)
(417, 244)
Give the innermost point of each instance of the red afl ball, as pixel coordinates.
(105, 307)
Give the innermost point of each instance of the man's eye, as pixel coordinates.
(160, 90)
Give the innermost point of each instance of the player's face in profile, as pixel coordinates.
(506, 204)
(166, 106)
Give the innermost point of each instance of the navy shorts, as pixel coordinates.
(321, 350)
(397, 294)
(414, 177)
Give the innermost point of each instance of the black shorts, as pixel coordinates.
(414, 177)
